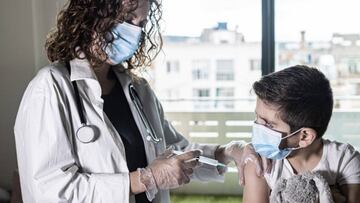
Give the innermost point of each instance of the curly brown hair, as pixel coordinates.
(84, 26)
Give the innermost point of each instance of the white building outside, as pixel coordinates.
(213, 72)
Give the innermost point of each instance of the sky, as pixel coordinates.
(319, 18)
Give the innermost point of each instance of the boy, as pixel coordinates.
(293, 110)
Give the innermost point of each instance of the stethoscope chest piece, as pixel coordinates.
(87, 133)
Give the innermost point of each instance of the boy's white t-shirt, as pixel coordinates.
(339, 165)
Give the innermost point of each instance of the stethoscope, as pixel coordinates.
(89, 133)
(151, 136)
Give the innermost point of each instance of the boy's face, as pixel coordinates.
(268, 115)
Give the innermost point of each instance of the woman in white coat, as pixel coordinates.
(89, 130)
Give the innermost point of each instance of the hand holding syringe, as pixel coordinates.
(204, 160)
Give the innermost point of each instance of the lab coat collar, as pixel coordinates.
(81, 70)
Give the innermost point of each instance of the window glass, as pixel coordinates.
(214, 45)
(324, 34)
(172, 66)
(201, 69)
(218, 48)
(225, 70)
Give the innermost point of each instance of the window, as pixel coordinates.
(225, 98)
(224, 70)
(172, 93)
(201, 92)
(225, 92)
(201, 69)
(172, 67)
(353, 66)
(213, 52)
(207, 62)
(330, 43)
(255, 64)
(201, 99)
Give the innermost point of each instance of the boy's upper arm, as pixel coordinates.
(349, 178)
(351, 192)
(256, 189)
(349, 172)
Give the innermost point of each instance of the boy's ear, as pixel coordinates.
(307, 137)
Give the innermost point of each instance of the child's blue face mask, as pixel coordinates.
(266, 142)
(125, 44)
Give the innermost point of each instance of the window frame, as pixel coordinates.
(268, 37)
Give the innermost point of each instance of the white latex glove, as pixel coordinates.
(241, 153)
(168, 171)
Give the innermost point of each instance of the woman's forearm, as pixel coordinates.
(136, 186)
(221, 156)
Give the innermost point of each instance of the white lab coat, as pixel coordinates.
(55, 166)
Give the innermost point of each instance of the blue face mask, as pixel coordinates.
(266, 142)
(125, 44)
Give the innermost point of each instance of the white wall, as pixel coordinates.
(23, 27)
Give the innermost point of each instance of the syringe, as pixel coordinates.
(204, 160)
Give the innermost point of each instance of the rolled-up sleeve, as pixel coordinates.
(47, 165)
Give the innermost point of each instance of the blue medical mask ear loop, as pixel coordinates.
(291, 134)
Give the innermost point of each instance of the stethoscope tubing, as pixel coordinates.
(139, 107)
(135, 99)
(79, 104)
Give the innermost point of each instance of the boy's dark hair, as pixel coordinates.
(302, 94)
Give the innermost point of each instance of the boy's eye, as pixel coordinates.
(263, 122)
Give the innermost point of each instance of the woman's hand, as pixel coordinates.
(168, 171)
(171, 171)
(241, 153)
